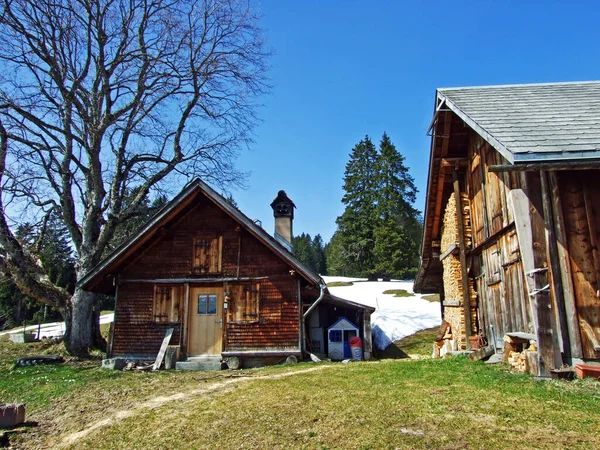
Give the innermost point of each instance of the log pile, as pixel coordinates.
(452, 270)
(449, 224)
(520, 352)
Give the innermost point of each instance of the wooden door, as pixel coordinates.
(205, 321)
(580, 194)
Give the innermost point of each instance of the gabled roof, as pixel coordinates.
(532, 122)
(96, 276)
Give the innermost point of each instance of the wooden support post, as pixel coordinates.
(367, 336)
(463, 258)
(185, 320)
(547, 333)
(552, 256)
(486, 225)
(441, 178)
(565, 269)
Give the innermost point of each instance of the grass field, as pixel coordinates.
(408, 403)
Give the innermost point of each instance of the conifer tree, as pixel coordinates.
(398, 229)
(356, 225)
(380, 230)
(319, 254)
(311, 252)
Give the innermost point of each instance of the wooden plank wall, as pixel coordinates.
(171, 256)
(136, 333)
(503, 303)
(580, 194)
(278, 324)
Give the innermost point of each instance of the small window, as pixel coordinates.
(245, 303)
(335, 336)
(207, 255)
(207, 304)
(166, 303)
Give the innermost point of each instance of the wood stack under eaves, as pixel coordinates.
(450, 226)
(453, 289)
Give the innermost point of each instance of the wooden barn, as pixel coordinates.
(512, 218)
(230, 291)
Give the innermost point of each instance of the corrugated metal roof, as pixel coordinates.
(531, 122)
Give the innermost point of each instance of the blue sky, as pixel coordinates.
(344, 69)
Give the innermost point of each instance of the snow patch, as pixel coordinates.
(394, 317)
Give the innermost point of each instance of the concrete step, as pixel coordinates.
(199, 364)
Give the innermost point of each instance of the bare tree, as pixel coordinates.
(100, 96)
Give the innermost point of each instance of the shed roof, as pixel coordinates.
(532, 122)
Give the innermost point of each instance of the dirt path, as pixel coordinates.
(157, 402)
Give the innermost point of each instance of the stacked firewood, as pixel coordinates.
(450, 226)
(452, 270)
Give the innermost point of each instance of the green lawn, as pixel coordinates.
(408, 403)
(398, 293)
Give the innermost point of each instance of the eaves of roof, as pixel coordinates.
(163, 216)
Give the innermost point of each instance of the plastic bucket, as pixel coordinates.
(356, 348)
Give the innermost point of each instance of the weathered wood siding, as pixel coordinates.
(172, 257)
(503, 303)
(135, 331)
(277, 327)
(580, 192)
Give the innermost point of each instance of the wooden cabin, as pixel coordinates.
(227, 288)
(512, 217)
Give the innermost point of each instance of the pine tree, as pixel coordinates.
(357, 224)
(311, 252)
(319, 255)
(398, 230)
(380, 230)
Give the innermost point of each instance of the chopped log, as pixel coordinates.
(482, 353)
(234, 363)
(532, 362)
(510, 348)
(444, 327)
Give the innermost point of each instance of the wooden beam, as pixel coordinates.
(567, 165)
(552, 256)
(463, 258)
(191, 280)
(548, 349)
(367, 335)
(564, 261)
(482, 163)
(448, 252)
(441, 176)
(452, 162)
(185, 320)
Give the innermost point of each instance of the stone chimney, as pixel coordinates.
(283, 211)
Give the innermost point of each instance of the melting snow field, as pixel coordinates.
(395, 317)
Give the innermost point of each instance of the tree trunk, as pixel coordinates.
(82, 324)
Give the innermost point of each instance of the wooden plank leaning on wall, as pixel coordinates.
(547, 333)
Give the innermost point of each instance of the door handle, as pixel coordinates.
(220, 322)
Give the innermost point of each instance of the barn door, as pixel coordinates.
(580, 194)
(206, 321)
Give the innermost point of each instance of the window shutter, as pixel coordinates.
(245, 303)
(166, 303)
(207, 255)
